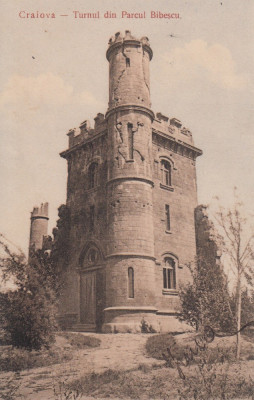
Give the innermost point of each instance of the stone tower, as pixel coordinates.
(131, 195)
(39, 226)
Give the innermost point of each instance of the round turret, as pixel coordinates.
(39, 226)
(129, 81)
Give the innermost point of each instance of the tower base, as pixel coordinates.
(143, 319)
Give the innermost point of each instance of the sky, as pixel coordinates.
(54, 75)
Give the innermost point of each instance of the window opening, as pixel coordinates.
(93, 175)
(169, 274)
(131, 282)
(130, 140)
(166, 172)
(167, 212)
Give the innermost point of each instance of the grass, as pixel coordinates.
(79, 341)
(17, 359)
(163, 383)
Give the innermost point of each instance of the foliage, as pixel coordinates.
(157, 345)
(213, 380)
(10, 389)
(238, 247)
(79, 341)
(60, 245)
(16, 359)
(28, 311)
(206, 300)
(145, 327)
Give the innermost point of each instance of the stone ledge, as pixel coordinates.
(129, 308)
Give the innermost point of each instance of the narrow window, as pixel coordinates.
(130, 140)
(169, 274)
(167, 214)
(128, 62)
(131, 282)
(93, 175)
(91, 219)
(166, 173)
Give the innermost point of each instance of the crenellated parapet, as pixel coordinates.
(119, 39)
(40, 212)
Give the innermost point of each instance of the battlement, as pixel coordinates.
(128, 36)
(40, 212)
(129, 39)
(85, 131)
(172, 127)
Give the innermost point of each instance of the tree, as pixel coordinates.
(28, 309)
(206, 300)
(238, 247)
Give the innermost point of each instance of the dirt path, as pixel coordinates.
(118, 352)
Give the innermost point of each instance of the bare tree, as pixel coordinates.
(238, 246)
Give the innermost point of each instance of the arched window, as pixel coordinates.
(131, 282)
(165, 173)
(93, 175)
(92, 256)
(169, 273)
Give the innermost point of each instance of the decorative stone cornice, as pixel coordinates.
(78, 146)
(131, 107)
(176, 143)
(132, 255)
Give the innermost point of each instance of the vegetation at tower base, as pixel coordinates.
(28, 310)
(60, 245)
(206, 301)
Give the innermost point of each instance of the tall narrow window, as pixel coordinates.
(91, 219)
(130, 140)
(166, 173)
(128, 62)
(131, 282)
(167, 215)
(169, 274)
(93, 175)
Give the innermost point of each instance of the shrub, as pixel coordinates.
(157, 345)
(29, 319)
(28, 311)
(146, 328)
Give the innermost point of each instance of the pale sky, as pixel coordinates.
(54, 75)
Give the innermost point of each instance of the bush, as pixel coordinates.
(29, 319)
(14, 359)
(145, 328)
(157, 345)
(28, 311)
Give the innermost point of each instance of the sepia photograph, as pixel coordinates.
(127, 212)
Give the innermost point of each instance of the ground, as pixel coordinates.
(116, 353)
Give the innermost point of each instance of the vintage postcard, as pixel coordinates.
(120, 122)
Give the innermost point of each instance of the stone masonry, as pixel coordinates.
(131, 193)
(39, 226)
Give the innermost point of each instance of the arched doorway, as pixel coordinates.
(91, 287)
